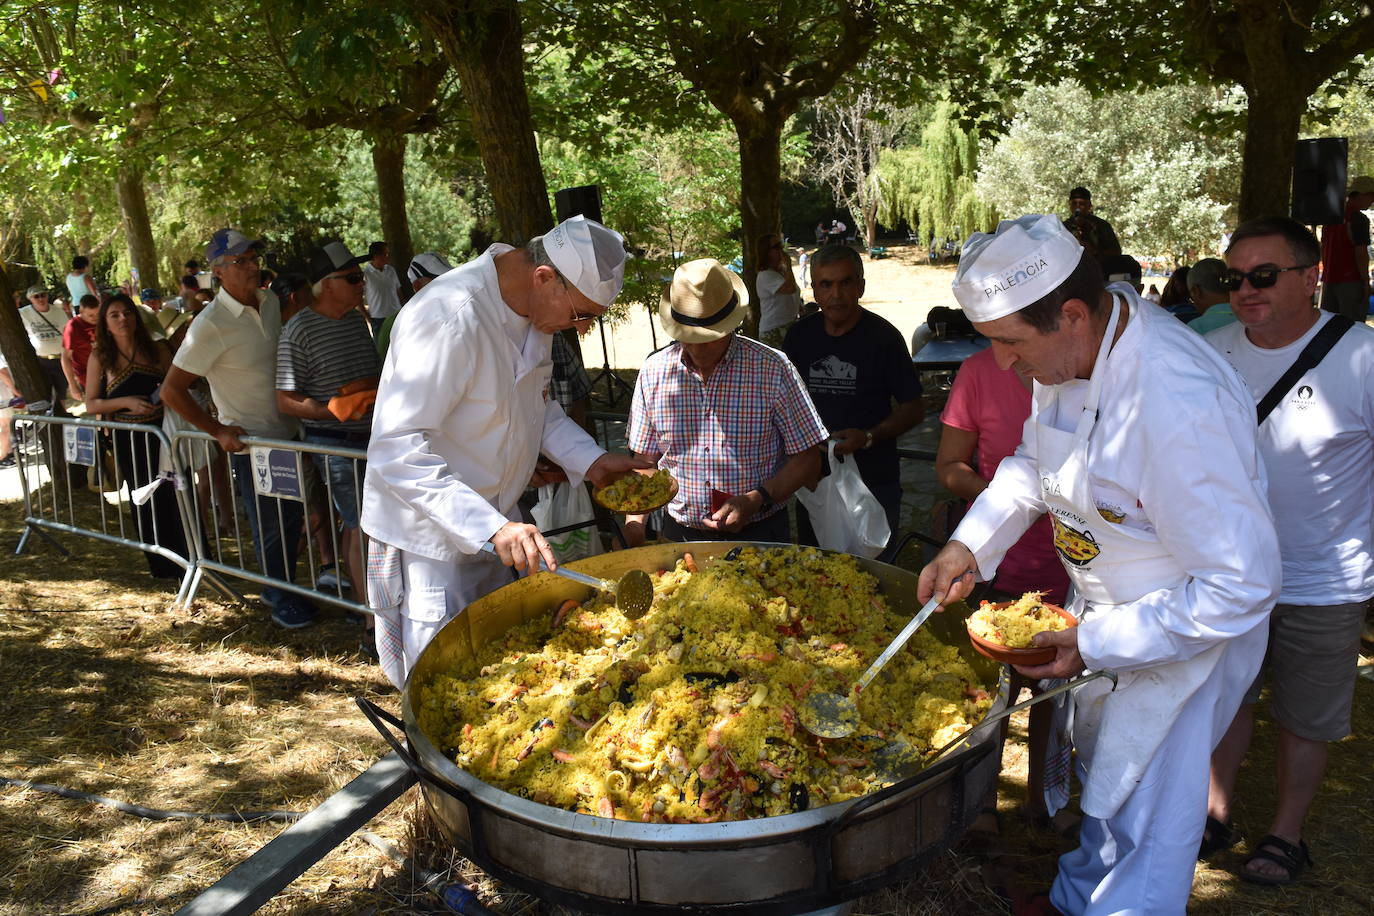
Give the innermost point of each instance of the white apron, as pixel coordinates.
(1116, 732)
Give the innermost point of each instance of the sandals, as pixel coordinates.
(1292, 859)
(1216, 836)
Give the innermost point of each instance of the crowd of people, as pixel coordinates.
(1197, 494)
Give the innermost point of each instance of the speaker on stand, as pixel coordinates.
(585, 200)
(1319, 178)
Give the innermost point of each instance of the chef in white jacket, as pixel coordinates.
(462, 414)
(1141, 447)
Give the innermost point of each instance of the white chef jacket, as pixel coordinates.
(1153, 478)
(462, 414)
(1173, 453)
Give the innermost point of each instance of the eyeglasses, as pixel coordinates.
(38, 295)
(577, 316)
(240, 261)
(1260, 278)
(354, 278)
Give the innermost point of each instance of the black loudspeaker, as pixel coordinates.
(585, 200)
(1319, 181)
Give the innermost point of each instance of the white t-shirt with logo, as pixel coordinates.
(1318, 449)
(45, 329)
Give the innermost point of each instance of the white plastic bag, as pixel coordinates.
(563, 504)
(845, 515)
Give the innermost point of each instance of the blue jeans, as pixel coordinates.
(276, 538)
(345, 475)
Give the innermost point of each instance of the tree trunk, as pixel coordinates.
(28, 374)
(1271, 132)
(389, 161)
(133, 205)
(760, 170)
(484, 41)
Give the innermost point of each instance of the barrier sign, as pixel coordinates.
(79, 444)
(277, 472)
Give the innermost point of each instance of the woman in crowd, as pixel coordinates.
(779, 297)
(123, 376)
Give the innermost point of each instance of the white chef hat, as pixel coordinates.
(589, 256)
(1022, 261)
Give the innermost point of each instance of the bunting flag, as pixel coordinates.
(39, 89)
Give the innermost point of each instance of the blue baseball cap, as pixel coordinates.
(149, 293)
(229, 242)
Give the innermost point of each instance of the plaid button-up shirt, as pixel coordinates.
(730, 432)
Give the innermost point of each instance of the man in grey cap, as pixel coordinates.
(461, 418)
(1140, 438)
(1345, 255)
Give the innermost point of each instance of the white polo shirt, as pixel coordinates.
(235, 348)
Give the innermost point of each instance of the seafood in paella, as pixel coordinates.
(637, 492)
(1015, 624)
(689, 714)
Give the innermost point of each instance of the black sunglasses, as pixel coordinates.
(354, 278)
(1260, 277)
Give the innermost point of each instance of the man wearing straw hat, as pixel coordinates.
(462, 414)
(1141, 447)
(726, 415)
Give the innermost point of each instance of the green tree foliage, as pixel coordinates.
(1279, 53)
(1166, 187)
(931, 185)
(441, 219)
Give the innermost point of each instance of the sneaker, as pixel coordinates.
(329, 578)
(292, 616)
(7, 461)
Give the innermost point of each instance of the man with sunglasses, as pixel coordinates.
(462, 416)
(1318, 447)
(233, 344)
(44, 325)
(1140, 446)
(327, 371)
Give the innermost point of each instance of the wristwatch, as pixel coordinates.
(767, 498)
(868, 433)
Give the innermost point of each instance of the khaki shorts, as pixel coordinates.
(1310, 666)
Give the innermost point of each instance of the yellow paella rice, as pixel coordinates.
(637, 492)
(690, 713)
(1015, 624)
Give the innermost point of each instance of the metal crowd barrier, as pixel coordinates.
(289, 495)
(119, 461)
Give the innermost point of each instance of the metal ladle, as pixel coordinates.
(829, 715)
(633, 592)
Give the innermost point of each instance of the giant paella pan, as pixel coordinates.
(812, 857)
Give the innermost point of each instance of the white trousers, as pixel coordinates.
(1141, 860)
(431, 593)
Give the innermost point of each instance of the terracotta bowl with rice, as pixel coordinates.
(1005, 632)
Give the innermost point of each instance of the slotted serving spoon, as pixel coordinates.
(829, 715)
(633, 592)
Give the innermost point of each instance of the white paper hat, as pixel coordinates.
(589, 256)
(1006, 271)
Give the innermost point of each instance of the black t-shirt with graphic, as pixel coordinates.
(855, 380)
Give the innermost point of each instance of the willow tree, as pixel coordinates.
(932, 185)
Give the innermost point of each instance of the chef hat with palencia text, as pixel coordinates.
(589, 256)
(1021, 262)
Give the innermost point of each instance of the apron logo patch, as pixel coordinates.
(1114, 514)
(1076, 547)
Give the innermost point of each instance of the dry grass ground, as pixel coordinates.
(214, 709)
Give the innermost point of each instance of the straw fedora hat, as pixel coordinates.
(704, 302)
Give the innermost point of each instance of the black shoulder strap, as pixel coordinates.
(1309, 358)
